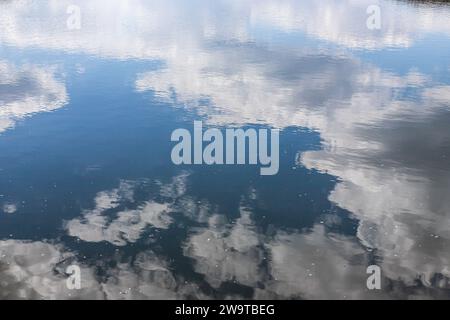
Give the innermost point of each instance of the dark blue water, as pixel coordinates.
(86, 176)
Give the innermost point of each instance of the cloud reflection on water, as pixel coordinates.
(384, 135)
(28, 90)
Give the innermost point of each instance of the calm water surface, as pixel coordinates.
(85, 171)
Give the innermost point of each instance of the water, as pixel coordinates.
(86, 177)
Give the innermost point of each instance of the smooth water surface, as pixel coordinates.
(86, 176)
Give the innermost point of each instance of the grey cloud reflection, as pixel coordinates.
(36, 270)
(389, 150)
(224, 253)
(310, 265)
(398, 193)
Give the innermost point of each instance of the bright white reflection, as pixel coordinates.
(127, 225)
(149, 29)
(27, 90)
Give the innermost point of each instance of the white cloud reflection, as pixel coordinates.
(149, 29)
(120, 226)
(27, 90)
(344, 22)
(224, 253)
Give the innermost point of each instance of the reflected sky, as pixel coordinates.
(85, 171)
